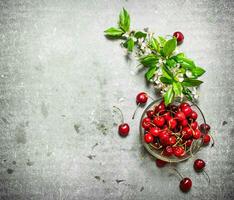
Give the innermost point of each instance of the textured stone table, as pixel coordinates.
(60, 77)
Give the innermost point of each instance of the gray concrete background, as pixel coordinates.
(60, 77)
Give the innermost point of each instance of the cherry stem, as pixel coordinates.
(133, 116)
(157, 148)
(173, 168)
(213, 142)
(207, 176)
(122, 118)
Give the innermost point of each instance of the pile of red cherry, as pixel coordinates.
(172, 129)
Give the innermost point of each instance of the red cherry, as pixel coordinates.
(159, 121)
(180, 116)
(183, 105)
(184, 122)
(167, 116)
(146, 123)
(194, 125)
(164, 137)
(141, 98)
(150, 113)
(160, 163)
(178, 151)
(204, 128)
(155, 131)
(179, 36)
(193, 115)
(148, 138)
(206, 139)
(189, 142)
(172, 140)
(196, 134)
(199, 164)
(185, 184)
(172, 123)
(124, 129)
(187, 133)
(160, 108)
(187, 111)
(168, 151)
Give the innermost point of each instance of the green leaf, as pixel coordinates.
(165, 80)
(155, 45)
(198, 71)
(150, 73)
(189, 82)
(167, 73)
(140, 34)
(187, 60)
(114, 32)
(169, 47)
(148, 60)
(124, 20)
(187, 66)
(129, 44)
(171, 63)
(177, 87)
(178, 57)
(187, 92)
(168, 96)
(162, 40)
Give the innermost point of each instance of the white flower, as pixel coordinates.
(188, 73)
(194, 93)
(159, 71)
(126, 35)
(180, 77)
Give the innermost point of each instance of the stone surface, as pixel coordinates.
(60, 77)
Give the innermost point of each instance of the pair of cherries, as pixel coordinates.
(124, 128)
(186, 183)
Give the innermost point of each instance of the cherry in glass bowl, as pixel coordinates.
(157, 152)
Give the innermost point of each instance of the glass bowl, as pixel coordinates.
(157, 153)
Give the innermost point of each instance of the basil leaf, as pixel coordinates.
(124, 20)
(165, 80)
(129, 44)
(168, 96)
(171, 63)
(198, 71)
(140, 34)
(154, 44)
(114, 32)
(150, 73)
(167, 73)
(169, 47)
(177, 87)
(148, 60)
(162, 41)
(189, 82)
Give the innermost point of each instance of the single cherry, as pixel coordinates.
(199, 164)
(194, 125)
(150, 113)
(172, 123)
(148, 138)
(164, 137)
(161, 108)
(187, 111)
(180, 116)
(159, 121)
(167, 116)
(160, 163)
(141, 99)
(123, 127)
(196, 134)
(189, 142)
(168, 151)
(204, 128)
(183, 105)
(193, 115)
(171, 140)
(184, 123)
(187, 133)
(185, 184)
(179, 36)
(155, 131)
(178, 151)
(206, 139)
(146, 123)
